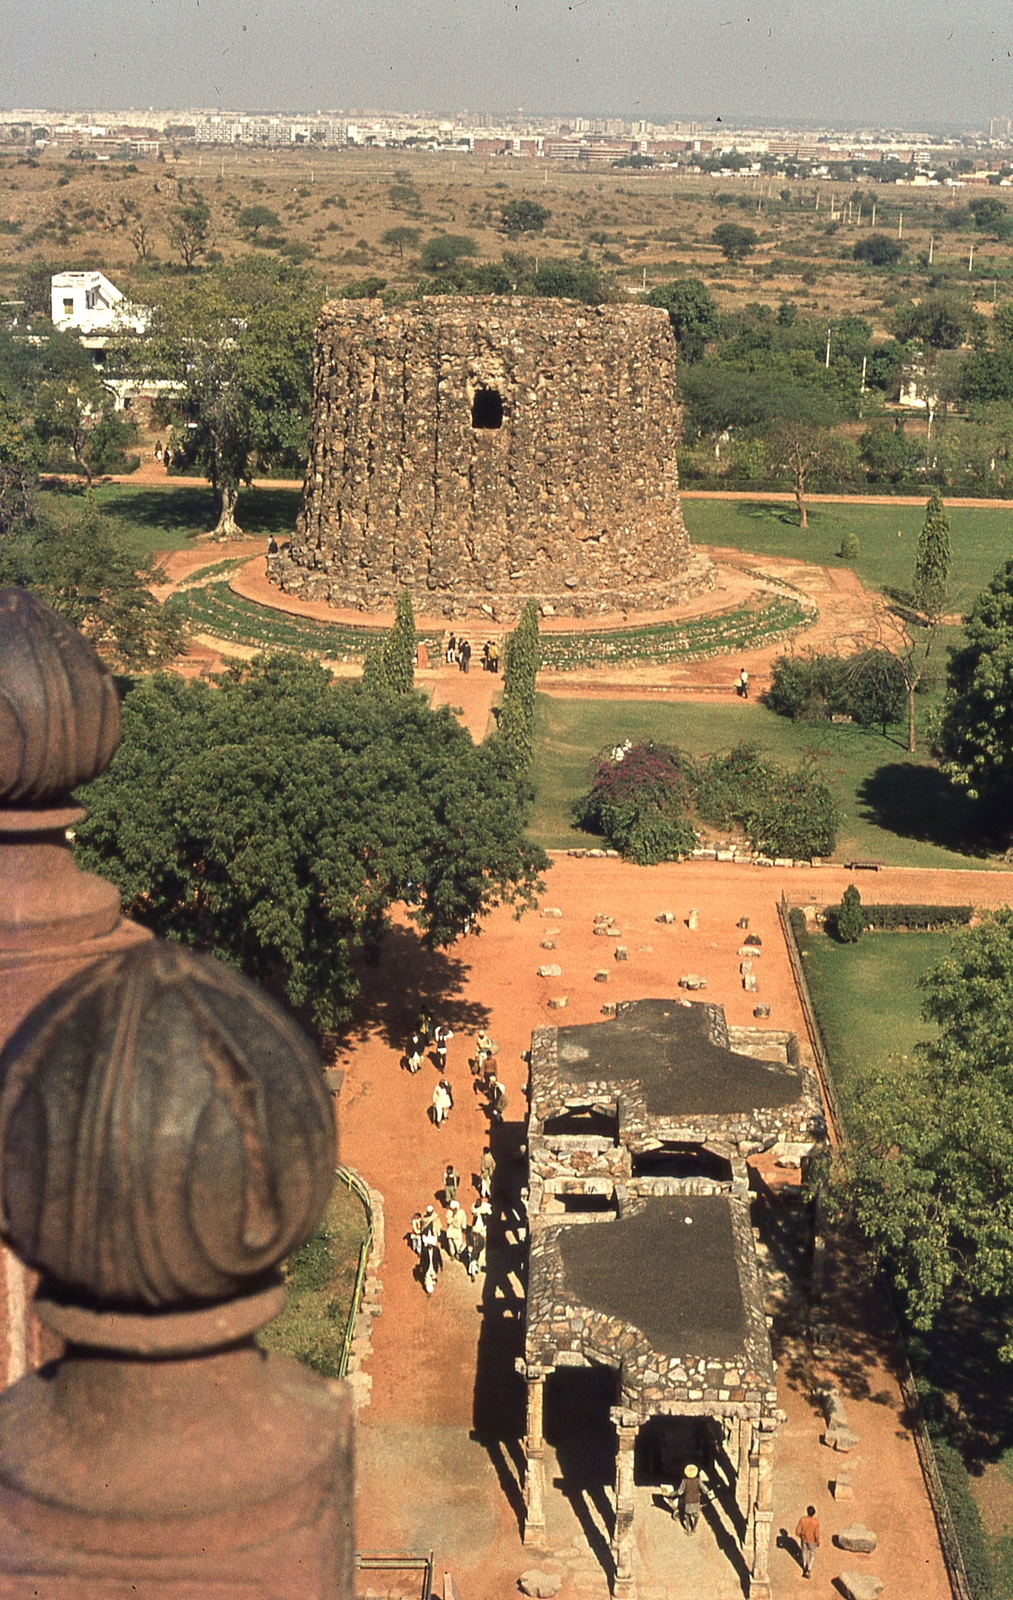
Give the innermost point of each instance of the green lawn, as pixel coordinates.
(868, 1000)
(982, 540)
(321, 1280)
(152, 517)
(897, 808)
(868, 1005)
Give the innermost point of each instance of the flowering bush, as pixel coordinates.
(636, 800)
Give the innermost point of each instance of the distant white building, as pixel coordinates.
(89, 304)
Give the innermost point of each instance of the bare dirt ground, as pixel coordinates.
(439, 1459)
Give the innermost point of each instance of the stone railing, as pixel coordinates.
(165, 1142)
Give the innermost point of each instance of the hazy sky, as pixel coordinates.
(905, 62)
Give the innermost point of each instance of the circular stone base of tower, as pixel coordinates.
(460, 606)
(482, 451)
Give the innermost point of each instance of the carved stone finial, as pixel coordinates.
(59, 716)
(165, 1139)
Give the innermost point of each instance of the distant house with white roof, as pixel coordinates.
(88, 303)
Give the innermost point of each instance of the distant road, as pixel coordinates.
(148, 480)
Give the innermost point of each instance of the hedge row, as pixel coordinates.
(883, 918)
(517, 711)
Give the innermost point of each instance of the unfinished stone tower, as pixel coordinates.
(481, 451)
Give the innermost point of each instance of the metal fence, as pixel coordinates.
(354, 1182)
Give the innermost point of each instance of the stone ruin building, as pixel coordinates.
(642, 1258)
(481, 451)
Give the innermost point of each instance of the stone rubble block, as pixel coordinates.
(553, 971)
(857, 1538)
(860, 1585)
(540, 1585)
(559, 1003)
(551, 911)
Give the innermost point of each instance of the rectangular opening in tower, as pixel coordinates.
(487, 409)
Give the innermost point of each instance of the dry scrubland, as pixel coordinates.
(333, 208)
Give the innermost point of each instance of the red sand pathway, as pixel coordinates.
(426, 1480)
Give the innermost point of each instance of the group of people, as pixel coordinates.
(459, 653)
(457, 1236)
(425, 1035)
(163, 457)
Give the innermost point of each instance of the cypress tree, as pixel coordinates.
(850, 916)
(399, 647)
(517, 712)
(934, 558)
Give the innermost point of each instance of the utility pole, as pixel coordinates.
(931, 243)
(817, 199)
(827, 362)
(874, 213)
(970, 260)
(865, 363)
(900, 226)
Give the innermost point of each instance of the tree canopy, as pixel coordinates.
(734, 241)
(692, 311)
(238, 343)
(976, 733)
(273, 819)
(878, 249)
(523, 216)
(928, 1173)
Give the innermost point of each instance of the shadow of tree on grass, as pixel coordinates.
(916, 801)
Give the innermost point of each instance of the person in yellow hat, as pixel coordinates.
(689, 1492)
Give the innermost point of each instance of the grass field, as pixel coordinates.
(149, 517)
(868, 1004)
(982, 540)
(868, 1000)
(897, 808)
(321, 1281)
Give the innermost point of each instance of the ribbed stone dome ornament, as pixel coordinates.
(59, 715)
(165, 1142)
(165, 1138)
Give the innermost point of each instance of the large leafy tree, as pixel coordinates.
(692, 312)
(928, 1174)
(274, 818)
(76, 566)
(976, 734)
(237, 345)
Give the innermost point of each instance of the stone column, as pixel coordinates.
(742, 1466)
(759, 1580)
(166, 1142)
(59, 728)
(534, 1453)
(624, 1586)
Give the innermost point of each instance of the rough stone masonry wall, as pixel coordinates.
(572, 499)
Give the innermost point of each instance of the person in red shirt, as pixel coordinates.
(808, 1535)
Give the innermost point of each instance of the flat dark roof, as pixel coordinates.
(675, 1053)
(675, 1280)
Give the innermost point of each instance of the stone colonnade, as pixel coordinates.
(750, 1445)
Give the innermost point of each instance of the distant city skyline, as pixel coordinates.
(800, 63)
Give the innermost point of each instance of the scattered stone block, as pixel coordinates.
(613, 933)
(842, 1487)
(551, 911)
(743, 922)
(745, 967)
(749, 950)
(609, 1008)
(596, 855)
(559, 1003)
(620, 953)
(665, 916)
(726, 855)
(550, 972)
(612, 855)
(601, 976)
(857, 1538)
(845, 1440)
(693, 920)
(762, 1010)
(749, 982)
(783, 861)
(692, 980)
(860, 1585)
(548, 944)
(541, 1585)
(754, 940)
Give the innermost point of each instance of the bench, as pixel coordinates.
(863, 866)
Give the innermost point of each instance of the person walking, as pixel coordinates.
(425, 1026)
(452, 650)
(743, 684)
(414, 1235)
(455, 1229)
(464, 655)
(415, 1052)
(478, 1237)
(808, 1535)
(486, 1174)
(688, 1497)
(429, 1265)
(497, 1099)
(443, 1103)
(442, 1038)
(484, 1048)
(493, 658)
(451, 1180)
